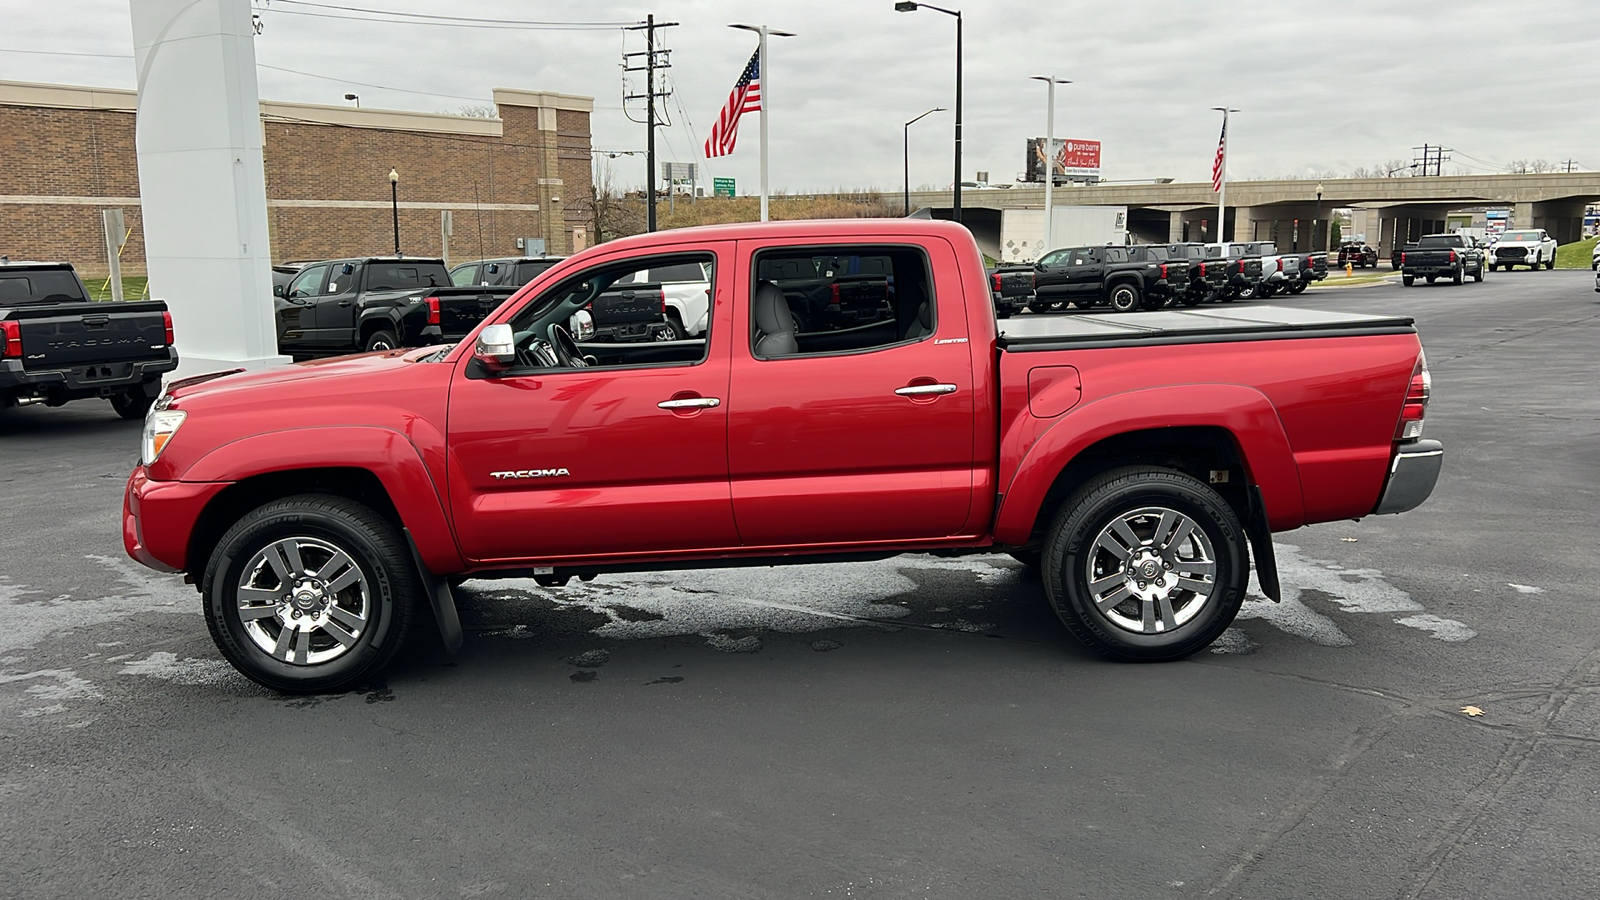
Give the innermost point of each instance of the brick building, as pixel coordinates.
(67, 153)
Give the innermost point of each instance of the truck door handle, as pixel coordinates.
(923, 390)
(691, 403)
(344, 302)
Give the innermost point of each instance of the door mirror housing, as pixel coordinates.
(496, 348)
(346, 269)
(277, 290)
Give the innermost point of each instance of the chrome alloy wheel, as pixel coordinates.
(304, 601)
(1151, 570)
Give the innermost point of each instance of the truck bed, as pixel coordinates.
(1036, 333)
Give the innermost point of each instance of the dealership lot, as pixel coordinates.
(913, 726)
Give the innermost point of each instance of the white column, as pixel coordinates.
(202, 185)
(765, 73)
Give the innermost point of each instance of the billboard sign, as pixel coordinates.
(1070, 156)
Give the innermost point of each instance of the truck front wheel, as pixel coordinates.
(1146, 564)
(382, 339)
(310, 593)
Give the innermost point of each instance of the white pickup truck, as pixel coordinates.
(1532, 248)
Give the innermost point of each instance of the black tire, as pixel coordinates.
(1299, 287)
(1193, 299)
(1123, 297)
(388, 587)
(1478, 275)
(1248, 292)
(1072, 554)
(382, 339)
(675, 326)
(132, 404)
(1408, 280)
(1456, 277)
(1551, 264)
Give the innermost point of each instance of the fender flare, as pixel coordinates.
(385, 452)
(1243, 412)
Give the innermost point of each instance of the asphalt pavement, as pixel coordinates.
(917, 727)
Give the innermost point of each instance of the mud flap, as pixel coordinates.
(1260, 534)
(443, 602)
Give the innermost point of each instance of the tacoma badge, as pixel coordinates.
(531, 473)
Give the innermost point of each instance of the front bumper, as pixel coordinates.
(158, 518)
(1412, 475)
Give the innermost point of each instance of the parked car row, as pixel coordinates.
(1152, 276)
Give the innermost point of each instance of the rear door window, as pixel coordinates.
(399, 276)
(464, 276)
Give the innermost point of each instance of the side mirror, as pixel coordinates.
(277, 290)
(496, 348)
(582, 325)
(494, 268)
(346, 269)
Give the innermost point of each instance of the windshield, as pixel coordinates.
(40, 286)
(1441, 240)
(1528, 236)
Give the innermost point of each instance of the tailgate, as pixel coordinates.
(633, 306)
(461, 309)
(75, 334)
(1018, 283)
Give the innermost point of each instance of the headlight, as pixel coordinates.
(159, 427)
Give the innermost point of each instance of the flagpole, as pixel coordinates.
(1222, 193)
(766, 100)
(763, 76)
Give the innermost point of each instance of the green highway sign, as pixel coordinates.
(722, 187)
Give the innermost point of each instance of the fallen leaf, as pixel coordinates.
(1472, 711)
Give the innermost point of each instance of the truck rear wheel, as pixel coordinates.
(1456, 278)
(1408, 280)
(132, 404)
(1124, 298)
(1146, 564)
(310, 593)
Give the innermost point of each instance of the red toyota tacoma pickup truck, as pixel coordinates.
(324, 509)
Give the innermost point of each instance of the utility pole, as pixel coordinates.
(1568, 165)
(1433, 156)
(650, 95)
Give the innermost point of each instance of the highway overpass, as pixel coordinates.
(1264, 210)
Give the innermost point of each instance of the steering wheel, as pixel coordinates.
(566, 349)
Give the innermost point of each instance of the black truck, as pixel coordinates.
(506, 271)
(1011, 288)
(626, 314)
(1120, 277)
(377, 303)
(56, 345)
(1438, 256)
(831, 293)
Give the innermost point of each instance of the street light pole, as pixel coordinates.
(910, 6)
(1049, 156)
(394, 204)
(1317, 220)
(906, 140)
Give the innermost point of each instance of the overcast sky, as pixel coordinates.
(1321, 86)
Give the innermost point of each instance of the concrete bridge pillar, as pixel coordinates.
(1174, 228)
(1243, 224)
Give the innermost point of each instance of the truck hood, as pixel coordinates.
(1500, 244)
(320, 371)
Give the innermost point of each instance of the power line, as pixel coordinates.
(381, 87)
(412, 15)
(441, 23)
(67, 53)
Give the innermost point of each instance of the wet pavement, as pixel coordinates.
(910, 727)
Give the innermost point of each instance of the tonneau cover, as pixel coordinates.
(1039, 332)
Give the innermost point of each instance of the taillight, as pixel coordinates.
(995, 280)
(166, 322)
(433, 310)
(663, 301)
(10, 340)
(1402, 259)
(1280, 264)
(1416, 406)
(1241, 267)
(1163, 270)
(1452, 256)
(835, 290)
(1202, 270)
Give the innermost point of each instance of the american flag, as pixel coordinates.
(1216, 164)
(746, 97)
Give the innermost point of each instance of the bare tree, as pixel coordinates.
(1531, 166)
(476, 111)
(611, 214)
